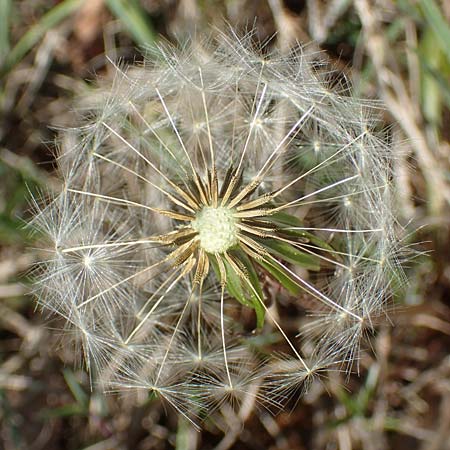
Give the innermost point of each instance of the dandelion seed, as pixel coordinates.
(189, 183)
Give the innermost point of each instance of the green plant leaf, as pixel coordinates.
(134, 18)
(77, 391)
(444, 85)
(72, 409)
(430, 54)
(11, 230)
(49, 20)
(5, 14)
(437, 23)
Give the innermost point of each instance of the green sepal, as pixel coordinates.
(256, 298)
(239, 288)
(281, 276)
(291, 254)
(284, 219)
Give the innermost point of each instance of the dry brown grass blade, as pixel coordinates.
(397, 98)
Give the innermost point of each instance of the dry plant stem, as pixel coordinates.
(15, 322)
(440, 438)
(12, 290)
(322, 16)
(403, 177)
(395, 94)
(235, 420)
(288, 27)
(413, 61)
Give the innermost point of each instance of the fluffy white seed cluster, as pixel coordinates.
(209, 186)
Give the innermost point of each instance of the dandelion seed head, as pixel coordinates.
(196, 188)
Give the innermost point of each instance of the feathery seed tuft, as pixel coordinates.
(202, 187)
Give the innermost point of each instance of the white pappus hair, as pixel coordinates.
(202, 192)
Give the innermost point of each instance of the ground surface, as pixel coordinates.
(396, 51)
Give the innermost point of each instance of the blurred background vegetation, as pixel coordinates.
(399, 51)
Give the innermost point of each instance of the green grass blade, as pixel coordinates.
(431, 56)
(442, 81)
(77, 391)
(5, 13)
(70, 410)
(48, 21)
(11, 230)
(438, 24)
(134, 18)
